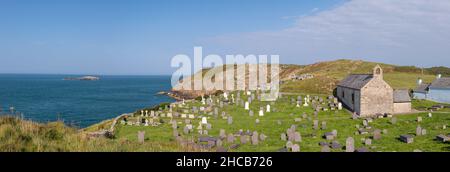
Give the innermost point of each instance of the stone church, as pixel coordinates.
(369, 94)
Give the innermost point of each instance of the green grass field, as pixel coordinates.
(287, 112)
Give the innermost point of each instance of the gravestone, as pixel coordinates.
(244, 139)
(325, 148)
(204, 120)
(283, 136)
(419, 119)
(424, 132)
(186, 130)
(175, 133)
(365, 123)
(250, 113)
(289, 144)
(174, 125)
(377, 134)
(219, 143)
(393, 120)
(350, 145)
(230, 120)
(316, 124)
(230, 138)
(261, 111)
(335, 133)
(257, 121)
(141, 136)
(329, 136)
(368, 142)
(336, 145)
(324, 125)
(418, 131)
(222, 134)
(297, 137)
(406, 138)
(255, 138)
(262, 137)
(295, 148)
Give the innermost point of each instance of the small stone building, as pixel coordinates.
(369, 94)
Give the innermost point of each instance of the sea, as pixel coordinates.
(47, 98)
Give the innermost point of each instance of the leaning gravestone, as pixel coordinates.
(350, 145)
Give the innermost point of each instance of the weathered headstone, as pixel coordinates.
(315, 124)
(141, 136)
(297, 137)
(350, 145)
(230, 120)
(377, 134)
(230, 138)
(419, 119)
(393, 120)
(325, 148)
(418, 131)
(407, 138)
(283, 136)
(324, 125)
(295, 148)
(222, 134)
(244, 139)
(368, 142)
(255, 138)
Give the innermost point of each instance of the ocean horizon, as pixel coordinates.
(48, 97)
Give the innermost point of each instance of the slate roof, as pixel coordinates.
(422, 88)
(356, 81)
(401, 96)
(441, 83)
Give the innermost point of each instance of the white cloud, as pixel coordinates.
(408, 32)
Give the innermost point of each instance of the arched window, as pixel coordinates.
(378, 71)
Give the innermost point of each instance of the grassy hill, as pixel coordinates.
(18, 135)
(328, 74)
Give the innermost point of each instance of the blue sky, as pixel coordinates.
(141, 37)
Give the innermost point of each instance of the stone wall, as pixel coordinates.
(345, 96)
(402, 107)
(377, 97)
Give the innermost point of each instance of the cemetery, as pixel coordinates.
(240, 122)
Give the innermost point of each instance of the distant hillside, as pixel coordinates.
(328, 74)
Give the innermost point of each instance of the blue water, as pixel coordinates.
(46, 98)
